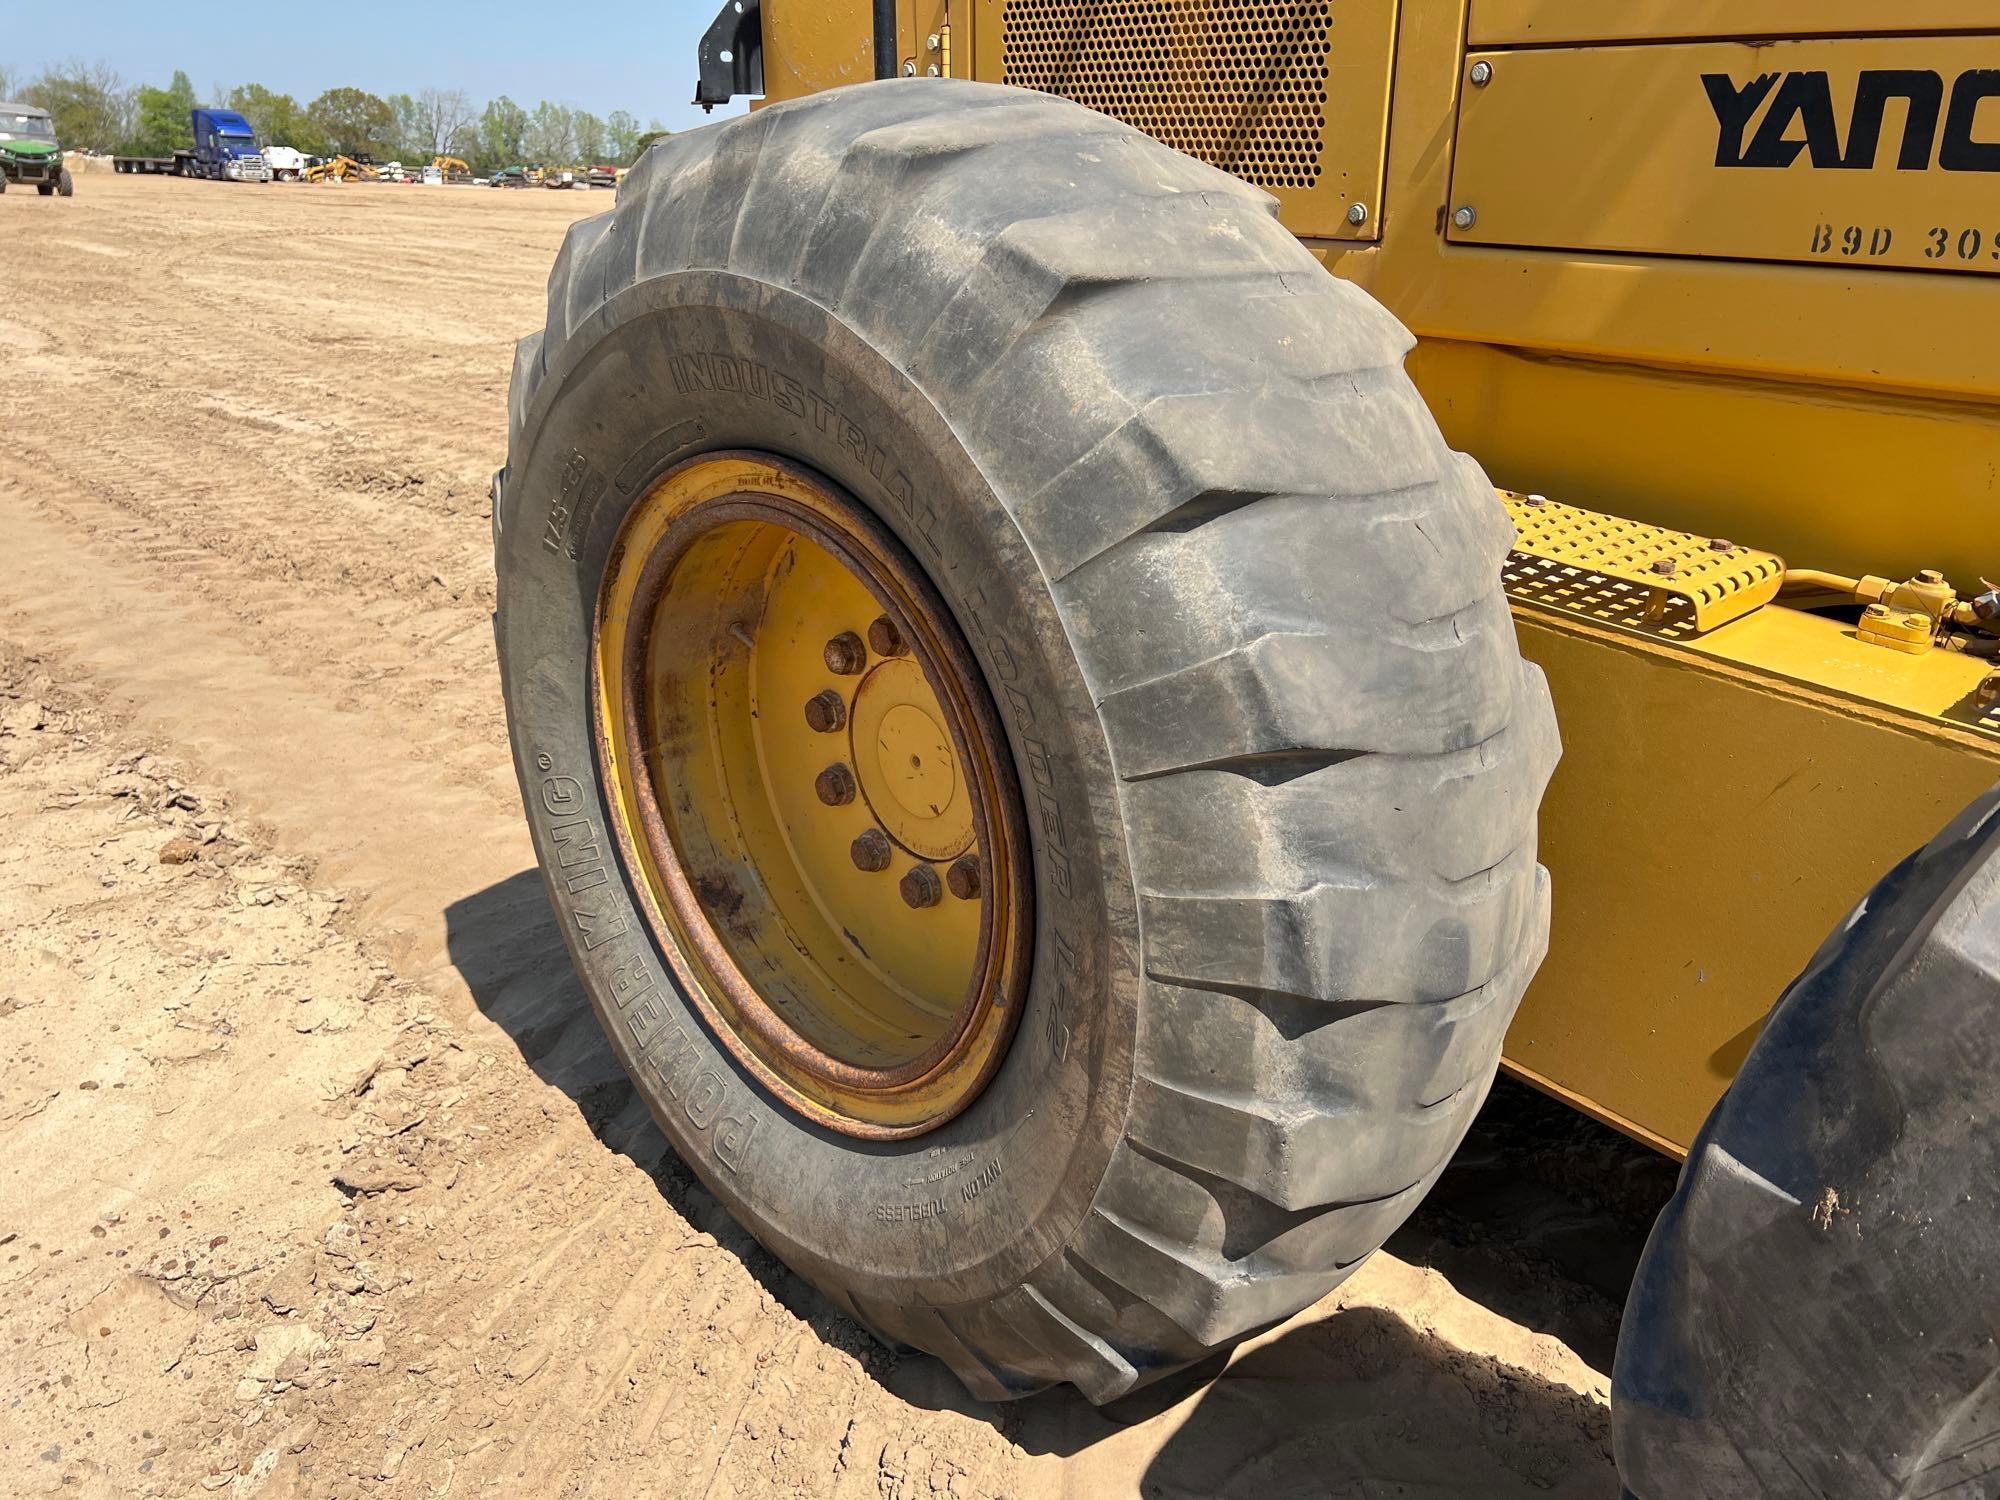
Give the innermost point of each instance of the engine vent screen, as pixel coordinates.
(1240, 86)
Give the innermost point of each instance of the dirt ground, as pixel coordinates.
(316, 1177)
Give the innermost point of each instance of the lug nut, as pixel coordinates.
(870, 851)
(835, 785)
(826, 712)
(920, 887)
(962, 879)
(845, 655)
(884, 638)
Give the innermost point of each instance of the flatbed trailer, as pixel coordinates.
(176, 165)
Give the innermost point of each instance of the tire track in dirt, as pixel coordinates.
(352, 785)
(274, 1225)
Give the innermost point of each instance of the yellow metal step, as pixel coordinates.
(1617, 572)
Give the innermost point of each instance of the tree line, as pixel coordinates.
(95, 109)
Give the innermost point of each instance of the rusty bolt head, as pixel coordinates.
(1930, 576)
(826, 712)
(870, 850)
(835, 785)
(845, 654)
(884, 638)
(1666, 567)
(1722, 544)
(920, 887)
(962, 879)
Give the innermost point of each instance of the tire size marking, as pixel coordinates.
(1059, 1016)
(734, 374)
(576, 496)
(1944, 244)
(665, 1051)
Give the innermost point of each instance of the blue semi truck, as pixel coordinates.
(225, 149)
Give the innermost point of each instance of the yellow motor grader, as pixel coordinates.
(1042, 732)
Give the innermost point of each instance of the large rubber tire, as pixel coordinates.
(1239, 608)
(1816, 1310)
(66, 184)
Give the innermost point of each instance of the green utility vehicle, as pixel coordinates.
(29, 153)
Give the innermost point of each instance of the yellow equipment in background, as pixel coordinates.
(455, 170)
(1718, 281)
(340, 169)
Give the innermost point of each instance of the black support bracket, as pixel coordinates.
(731, 55)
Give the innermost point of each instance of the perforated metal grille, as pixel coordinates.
(1719, 580)
(1596, 596)
(1242, 86)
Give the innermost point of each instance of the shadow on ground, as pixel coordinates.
(1352, 1403)
(1540, 1218)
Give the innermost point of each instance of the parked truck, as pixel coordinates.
(225, 149)
(287, 163)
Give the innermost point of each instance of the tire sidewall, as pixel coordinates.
(703, 361)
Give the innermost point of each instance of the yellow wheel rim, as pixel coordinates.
(811, 789)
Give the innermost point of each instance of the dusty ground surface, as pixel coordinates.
(316, 1177)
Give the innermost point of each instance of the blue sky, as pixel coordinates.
(618, 54)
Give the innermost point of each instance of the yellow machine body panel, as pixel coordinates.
(1709, 825)
(817, 46)
(1855, 151)
(1840, 415)
(1672, 347)
(1516, 22)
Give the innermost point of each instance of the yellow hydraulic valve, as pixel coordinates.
(1910, 615)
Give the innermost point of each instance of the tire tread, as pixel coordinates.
(1330, 771)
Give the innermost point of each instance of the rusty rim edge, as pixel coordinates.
(684, 932)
